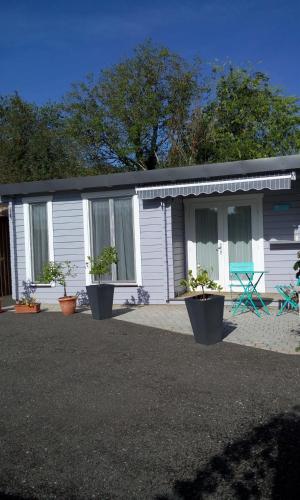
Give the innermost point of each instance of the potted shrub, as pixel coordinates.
(27, 304)
(58, 272)
(205, 310)
(101, 295)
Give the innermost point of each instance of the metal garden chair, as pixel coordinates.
(249, 287)
(239, 267)
(289, 295)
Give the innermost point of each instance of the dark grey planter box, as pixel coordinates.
(206, 317)
(101, 300)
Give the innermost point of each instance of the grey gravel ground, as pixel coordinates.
(271, 332)
(112, 410)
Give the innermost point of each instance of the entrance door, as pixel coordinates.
(208, 240)
(221, 231)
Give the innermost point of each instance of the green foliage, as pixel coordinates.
(27, 298)
(33, 145)
(202, 279)
(58, 272)
(100, 265)
(296, 266)
(128, 114)
(247, 118)
(152, 110)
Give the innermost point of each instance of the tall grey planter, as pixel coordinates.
(101, 300)
(206, 317)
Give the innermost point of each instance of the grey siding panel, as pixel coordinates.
(178, 243)
(153, 252)
(280, 226)
(12, 245)
(68, 238)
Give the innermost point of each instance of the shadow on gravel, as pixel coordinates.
(119, 312)
(264, 464)
(228, 328)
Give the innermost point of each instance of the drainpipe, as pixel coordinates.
(164, 207)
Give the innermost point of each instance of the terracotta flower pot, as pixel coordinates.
(67, 305)
(27, 309)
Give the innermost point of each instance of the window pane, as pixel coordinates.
(39, 239)
(207, 240)
(100, 228)
(239, 234)
(124, 239)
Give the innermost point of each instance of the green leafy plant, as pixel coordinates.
(296, 266)
(58, 272)
(202, 279)
(100, 265)
(28, 298)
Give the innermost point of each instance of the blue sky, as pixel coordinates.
(46, 45)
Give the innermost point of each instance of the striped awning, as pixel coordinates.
(272, 182)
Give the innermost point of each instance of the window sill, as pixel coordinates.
(42, 285)
(116, 283)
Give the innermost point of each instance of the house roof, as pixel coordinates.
(159, 176)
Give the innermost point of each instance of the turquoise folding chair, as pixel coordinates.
(240, 267)
(289, 295)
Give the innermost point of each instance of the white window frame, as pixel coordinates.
(256, 203)
(86, 197)
(27, 202)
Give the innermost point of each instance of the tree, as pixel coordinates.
(247, 118)
(33, 143)
(129, 114)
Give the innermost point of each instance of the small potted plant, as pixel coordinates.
(27, 304)
(58, 272)
(205, 310)
(101, 295)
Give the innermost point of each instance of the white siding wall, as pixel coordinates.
(162, 243)
(280, 225)
(68, 237)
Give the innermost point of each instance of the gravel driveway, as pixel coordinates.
(112, 410)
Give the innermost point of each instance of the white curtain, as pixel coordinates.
(207, 240)
(116, 230)
(239, 234)
(124, 239)
(39, 239)
(100, 229)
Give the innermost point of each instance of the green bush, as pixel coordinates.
(101, 265)
(202, 279)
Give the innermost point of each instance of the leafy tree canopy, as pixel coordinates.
(33, 143)
(128, 115)
(149, 111)
(246, 118)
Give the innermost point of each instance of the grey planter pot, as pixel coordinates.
(101, 300)
(206, 317)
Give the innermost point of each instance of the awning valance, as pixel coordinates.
(272, 182)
